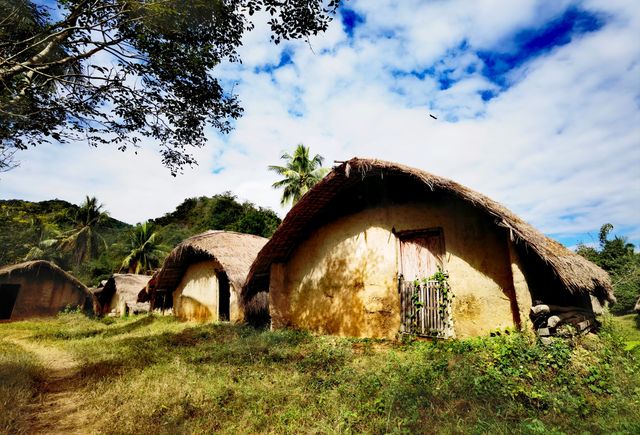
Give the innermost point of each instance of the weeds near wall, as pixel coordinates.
(438, 282)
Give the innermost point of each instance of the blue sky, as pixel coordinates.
(538, 107)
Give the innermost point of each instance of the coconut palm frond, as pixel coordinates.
(300, 173)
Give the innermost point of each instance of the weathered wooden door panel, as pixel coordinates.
(421, 254)
(425, 305)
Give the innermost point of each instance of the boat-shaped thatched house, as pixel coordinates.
(118, 295)
(345, 259)
(202, 277)
(40, 289)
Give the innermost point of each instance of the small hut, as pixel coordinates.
(118, 295)
(40, 289)
(202, 277)
(637, 307)
(377, 248)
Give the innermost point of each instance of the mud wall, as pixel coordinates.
(522, 291)
(117, 302)
(343, 278)
(196, 297)
(235, 313)
(43, 294)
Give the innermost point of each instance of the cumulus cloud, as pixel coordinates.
(551, 128)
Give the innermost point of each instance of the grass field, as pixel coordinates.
(158, 375)
(628, 327)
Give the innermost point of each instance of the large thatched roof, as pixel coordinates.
(127, 285)
(576, 274)
(34, 267)
(233, 252)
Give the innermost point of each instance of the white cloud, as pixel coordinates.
(561, 146)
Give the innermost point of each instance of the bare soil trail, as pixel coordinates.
(58, 407)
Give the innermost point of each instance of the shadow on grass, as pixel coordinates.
(109, 331)
(221, 344)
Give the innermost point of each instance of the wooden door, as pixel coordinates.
(421, 254)
(424, 306)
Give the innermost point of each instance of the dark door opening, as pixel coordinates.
(8, 296)
(162, 299)
(224, 296)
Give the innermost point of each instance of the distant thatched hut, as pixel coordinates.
(345, 258)
(202, 277)
(40, 289)
(119, 294)
(637, 307)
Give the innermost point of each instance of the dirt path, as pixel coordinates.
(57, 409)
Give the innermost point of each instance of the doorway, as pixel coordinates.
(8, 296)
(424, 304)
(224, 296)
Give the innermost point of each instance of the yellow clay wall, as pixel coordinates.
(342, 279)
(196, 297)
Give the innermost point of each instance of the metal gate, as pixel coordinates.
(425, 308)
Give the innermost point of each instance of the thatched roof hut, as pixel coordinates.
(119, 294)
(203, 270)
(361, 184)
(40, 288)
(637, 307)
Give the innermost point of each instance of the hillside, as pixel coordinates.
(219, 212)
(30, 230)
(24, 224)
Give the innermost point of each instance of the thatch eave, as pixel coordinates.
(37, 265)
(575, 273)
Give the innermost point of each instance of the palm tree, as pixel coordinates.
(84, 241)
(300, 174)
(146, 250)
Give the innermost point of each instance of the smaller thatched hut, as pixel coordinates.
(119, 294)
(202, 277)
(637, 307)
(40, 289)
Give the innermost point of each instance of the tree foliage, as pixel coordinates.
(146, 251)
(619, 259)
(300, 173)
(32, 231)
(219, 212)
(116, 71)
(85, 241)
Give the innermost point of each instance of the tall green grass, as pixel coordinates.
(158, 375)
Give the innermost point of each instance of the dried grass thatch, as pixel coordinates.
(127, 285)
(232, 252)
(575, 273)
(34, 267)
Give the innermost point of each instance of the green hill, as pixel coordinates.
(24, 224)
(29, 230)
(219, 212)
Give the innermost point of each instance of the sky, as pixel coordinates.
(537, 106)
